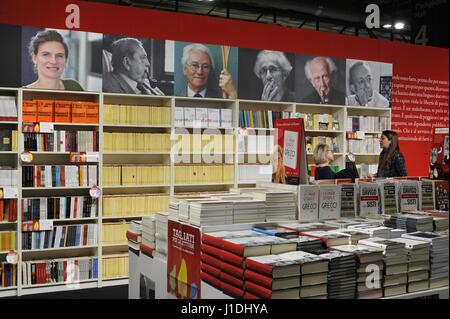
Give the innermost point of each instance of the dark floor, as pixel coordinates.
(115, 292)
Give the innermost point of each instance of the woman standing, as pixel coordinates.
(391, 162)
(49, 54)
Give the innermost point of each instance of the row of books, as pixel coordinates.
(7, 240)
(64, 270)
(255, 172)
(262, 119)
(115, 267)
(136, 114)
(367, 123)
(207, 173)
(8, 274)
(59, 111)
(73, 207)
(313, 141)
(203, 117)
(161, 232)
(59, 176)
(255, 144)
(8, 210)
(136, 142)
(61, 236)
(8, 176)
(134, 205)
(206, 143)
(61, 141)
(8, 108)
(126, 175)
(369, 145)
(114, 233)
(8, 140)
(365, 169)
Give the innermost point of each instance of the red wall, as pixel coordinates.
(409, 61)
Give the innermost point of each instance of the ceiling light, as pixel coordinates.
(387, 26)
(399, 25)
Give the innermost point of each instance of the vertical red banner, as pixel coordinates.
(183, 260)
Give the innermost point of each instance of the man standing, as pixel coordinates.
(273, 69)
(131, 67)
(361, 86)
(198, 67)
(320, 72)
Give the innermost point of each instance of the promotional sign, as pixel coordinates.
(290, 152)
(183, 261)
(439, 154)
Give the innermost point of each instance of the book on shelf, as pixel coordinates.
(60, 236)
(136, 142)
(255, 172)
(8, 274)
(134, 205)
(178, 117)
(261, 119)
(61, 270)
(115, 266)
(8, 240)
(72, 207)
(8, 108)
(226, 118)
(59, 176)
(213, 118)
(127, 175)
(60, 111)
(8, 210)
(115, 233)
(8, 140)
(61, 141)
(368, 123)
(136, 114)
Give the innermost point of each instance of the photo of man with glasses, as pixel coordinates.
(200, 79)
(266, 75)
(363, 81)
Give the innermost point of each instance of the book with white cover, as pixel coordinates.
(368, 200)
(201, 117)
(308, 203)
(189, 116)
(348, 200)
(329, 202)
(408, 195)
(388, 197)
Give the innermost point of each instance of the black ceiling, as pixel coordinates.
(339, 16)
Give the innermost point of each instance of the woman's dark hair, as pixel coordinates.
(393, 148)
(46, 36)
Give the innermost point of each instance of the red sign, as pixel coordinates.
(439, 154)
(183, 260)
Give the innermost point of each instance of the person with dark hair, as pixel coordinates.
(130, 69)
(391, 162)
(320, 72)
(361, 87)
(49, 54)
(273, 69)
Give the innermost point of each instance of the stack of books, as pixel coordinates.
(149, 231)
(211, 213)
(395, 265)
(306, 243)
(272, 276)
(388, 196)
(329, 238)
(368, 260)
(248, 211)
(426, 195)
(280, 205)
(341, 274)
(173, 207)
(379, 232)
(184, 205)
(356, 235)
(314, 274)
(418, 263)
(438, 257)
(440, 224)
(161, 236)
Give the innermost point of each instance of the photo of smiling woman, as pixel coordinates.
(61, 60)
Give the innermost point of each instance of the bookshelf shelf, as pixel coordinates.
(325, 131)
(9, 122)
(135, 126)
(70, 219)
(204, 128)
(52, 188)
(366, 154)
(257, 129)
(114, 245)
(4, 252)
(135, 186)
(53, 284)
(109, 282)
(77, 124)
(204, 184)
(123, 217)
(8, 152)
(8, 292)
(58, 249)
(136, 153)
